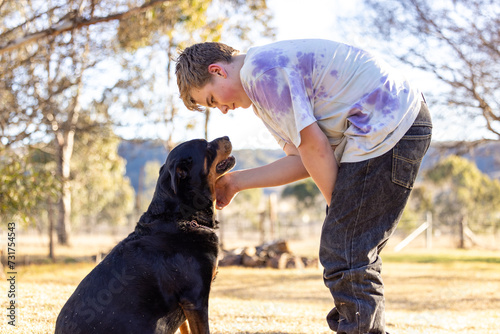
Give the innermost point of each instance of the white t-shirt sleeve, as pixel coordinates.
(282, 93)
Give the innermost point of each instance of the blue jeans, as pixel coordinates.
(367, 203)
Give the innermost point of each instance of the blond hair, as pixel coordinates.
(192, 68)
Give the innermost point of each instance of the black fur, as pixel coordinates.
(161, 273)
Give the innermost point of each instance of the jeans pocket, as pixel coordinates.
(408, 154)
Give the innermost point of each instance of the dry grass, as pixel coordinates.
(438, 292)
(448, 297)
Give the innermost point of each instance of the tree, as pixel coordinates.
(419, 204)
(465, 196)
(157, 35)
(245, 211)
(51, 48)
(73, 20)
(26, 180)
(43, 82)
(101, 193)
(148, 186)
(305, 192)
(456, 40)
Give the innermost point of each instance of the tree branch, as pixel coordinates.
(10, 31)
(72, 22)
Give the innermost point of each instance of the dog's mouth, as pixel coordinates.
(225, 165)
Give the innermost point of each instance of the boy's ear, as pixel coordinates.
(216, 69)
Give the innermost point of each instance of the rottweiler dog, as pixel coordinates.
(160, 275)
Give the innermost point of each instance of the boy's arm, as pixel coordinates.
(280, 172)
(318, 159)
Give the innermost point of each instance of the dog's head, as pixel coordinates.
(186, 184)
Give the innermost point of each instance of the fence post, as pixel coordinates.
(411, 237)
(428, 236)
(273, 215)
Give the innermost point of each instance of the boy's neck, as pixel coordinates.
(238, 61)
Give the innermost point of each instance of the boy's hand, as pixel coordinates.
(225, 190)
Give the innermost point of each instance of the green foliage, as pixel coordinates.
(468, 183)
(305, 192)
(144, 29)
(46, 83)
(250, 197)
(248, 204)
(465, 191)
(25, 182)
(101, 194)
(148, 186)
(419, 203)
(190, 20)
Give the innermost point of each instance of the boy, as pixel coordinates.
(344, 118)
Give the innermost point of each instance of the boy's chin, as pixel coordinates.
(246, 105)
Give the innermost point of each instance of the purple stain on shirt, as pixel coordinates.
(306, 62)
(321, 93)
(383, 100)
(305, 67)
(267, 60)
(360, 119)
(335, 74)
(298, 89)
(373, 97)
(271, 97)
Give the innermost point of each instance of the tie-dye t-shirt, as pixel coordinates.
(362, 105)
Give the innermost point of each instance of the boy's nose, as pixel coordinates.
(224, 109)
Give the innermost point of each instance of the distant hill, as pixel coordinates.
(138, 153)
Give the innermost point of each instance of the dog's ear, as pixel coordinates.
(178, 172)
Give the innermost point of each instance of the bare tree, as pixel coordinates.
(72, 20)
(49, 49)
(456, 40)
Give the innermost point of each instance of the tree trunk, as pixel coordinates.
(462, 228)
(51, 231)
(207, 119)
(65, 150)
(65, 139)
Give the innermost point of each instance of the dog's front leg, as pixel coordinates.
(197, 318)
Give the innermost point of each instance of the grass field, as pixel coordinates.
(427, 292)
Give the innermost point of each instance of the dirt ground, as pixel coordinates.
(427, 291)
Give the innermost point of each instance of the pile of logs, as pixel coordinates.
(275, 254)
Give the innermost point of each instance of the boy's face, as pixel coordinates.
(224, 91)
